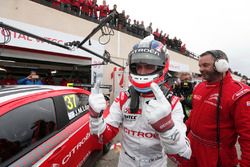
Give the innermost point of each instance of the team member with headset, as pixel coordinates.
(149, 116)
(220, 116)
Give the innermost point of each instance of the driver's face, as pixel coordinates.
(145, 68)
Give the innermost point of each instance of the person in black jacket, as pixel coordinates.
(183, 89)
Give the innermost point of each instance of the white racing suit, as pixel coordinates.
(142, 146)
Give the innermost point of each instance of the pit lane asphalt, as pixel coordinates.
(112, 157)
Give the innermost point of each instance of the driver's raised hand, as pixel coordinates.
(158, 111)
(97, 102)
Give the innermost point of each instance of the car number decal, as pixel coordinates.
(75, 105)
(70, 101)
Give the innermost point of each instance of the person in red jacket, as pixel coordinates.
(220, 116)
(104, 10)
(56, 4)
(156, 34)
(85, 5)
(93, 8)
(75, 6)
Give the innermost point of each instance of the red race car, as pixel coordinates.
(46, 126)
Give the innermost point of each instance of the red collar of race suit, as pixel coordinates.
(226, 78)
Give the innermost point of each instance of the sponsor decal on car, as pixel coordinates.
(75, 149)
(84, 159)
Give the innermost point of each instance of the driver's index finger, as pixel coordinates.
(96, 88)
(157, 92)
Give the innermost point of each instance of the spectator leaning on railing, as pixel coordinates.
(164, 39)
(161, 36)
(149, 29)
(85, 7)
(104, 10)
(93, 9)
(183, 49)
(114, 20)
(134, 27)
(156, 34)
(141, 29)
(121, 20)
(75, 7)
(128, 25)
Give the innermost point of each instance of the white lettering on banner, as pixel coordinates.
(76, 147)
(23, 41)
(18, 36)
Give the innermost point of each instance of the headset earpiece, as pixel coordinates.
(221, 65)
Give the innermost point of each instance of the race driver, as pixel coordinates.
(149, 116)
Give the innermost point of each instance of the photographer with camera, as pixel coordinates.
(32, 79)
(183, 89)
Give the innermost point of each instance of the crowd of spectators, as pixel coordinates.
(89, 9)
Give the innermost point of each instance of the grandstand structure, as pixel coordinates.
(58, 26)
